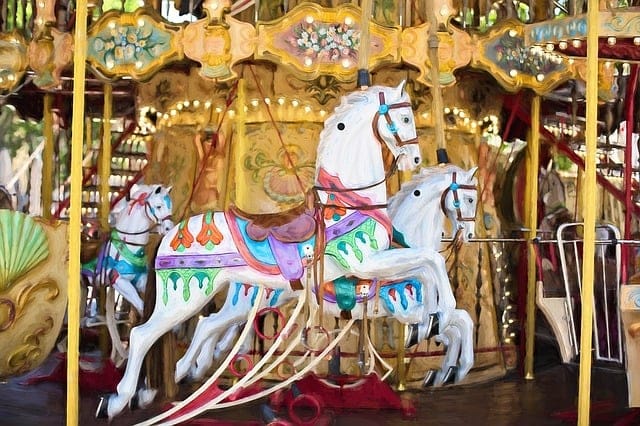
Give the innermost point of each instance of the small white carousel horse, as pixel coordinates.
(417, 214)
(122, 260)
(205, 253)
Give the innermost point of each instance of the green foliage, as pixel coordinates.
(15, 132)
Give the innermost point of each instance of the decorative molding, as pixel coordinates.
(313, 40)
(13, 60)
(622, 24)
(49, 54)
(503, 53)
(210, 45)
(134, 45)
(454, 51)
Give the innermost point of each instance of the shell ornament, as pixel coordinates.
(23, 244)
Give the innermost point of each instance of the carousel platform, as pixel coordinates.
(550, 399)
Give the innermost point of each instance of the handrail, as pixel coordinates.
(93, 170)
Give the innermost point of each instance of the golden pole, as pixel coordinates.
(47, 157)
(242, 193)
(75, 199)
(437, 105)
(533, 160)
(364, 78)
(104, 168)
(589, 214)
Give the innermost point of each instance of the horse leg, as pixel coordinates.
(463, 322)
(140, 341)
(129, 292)
(451, 338)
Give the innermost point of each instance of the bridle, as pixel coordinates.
(383, 110)
(454, 187)
(149, 212)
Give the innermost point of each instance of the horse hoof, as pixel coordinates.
(429, 378)
(450, 376)
(145, 397)
(412, 333)
(134, 404)
(103, 407)
(433, 326)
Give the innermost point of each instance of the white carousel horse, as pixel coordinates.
(435, 193)
(205, 253)
(122, 261)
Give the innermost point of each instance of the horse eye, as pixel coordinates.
(416, 192)
(470, 200)
(406, 120)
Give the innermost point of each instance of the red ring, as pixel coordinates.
(264, 311)
(321, 330)
(285, 363)
(237, 358)
(310, 400)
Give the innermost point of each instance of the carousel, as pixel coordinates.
(275, 212)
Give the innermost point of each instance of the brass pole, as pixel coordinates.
(533, 160)
(75, 219)
(242, 195)
(104, 167)
(589, 214)
(47, 157)
(437, 106)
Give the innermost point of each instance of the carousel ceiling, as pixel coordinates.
(309, 41)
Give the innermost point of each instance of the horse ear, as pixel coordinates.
(472, 171)
(400, 88)
(169, 188)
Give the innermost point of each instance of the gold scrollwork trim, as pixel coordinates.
(26, 355)
(25, 296)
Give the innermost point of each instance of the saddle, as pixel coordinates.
(282, 229)
(292, 226)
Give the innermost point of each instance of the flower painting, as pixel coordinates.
(325, 42)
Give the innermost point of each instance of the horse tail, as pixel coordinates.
(116, 344)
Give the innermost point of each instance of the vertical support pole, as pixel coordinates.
(589, 214)
(73, 311)
(104, 167)
(628, 169)
(364, 78)
(437, 105)
(531, 201)
(241, 136)
(402, 366)
(47, 157)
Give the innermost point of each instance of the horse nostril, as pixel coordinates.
(416, 160)
(470, 235)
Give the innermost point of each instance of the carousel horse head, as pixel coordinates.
(551, 189)
(450, 190)
(150, 205)
(378, 115)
